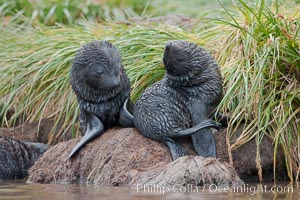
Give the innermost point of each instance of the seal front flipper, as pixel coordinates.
(194, 129)
(204, 143)
(125, 117)
(175, 148)
(94, 129)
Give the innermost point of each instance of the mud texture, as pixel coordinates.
(123, 157)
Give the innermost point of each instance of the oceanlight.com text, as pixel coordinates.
(213, 188)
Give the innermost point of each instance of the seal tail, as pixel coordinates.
(94, 129)
(194, 129)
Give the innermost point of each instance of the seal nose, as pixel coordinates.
(174, 44)
(99, 72)
(169, 44)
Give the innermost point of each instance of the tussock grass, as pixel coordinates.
(257, 47)
(50, 12)
(261, 63)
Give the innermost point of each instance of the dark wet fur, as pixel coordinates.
(100, 84)
(185, 97)
(17, 157)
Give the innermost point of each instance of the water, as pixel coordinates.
(20, 190)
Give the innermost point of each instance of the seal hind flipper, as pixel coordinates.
(175, 148)
(194, 129)
(94, 129)
(204, 143)
(222, 118)
(125, 117)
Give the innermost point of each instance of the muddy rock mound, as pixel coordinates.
(123, 157)
(107, 160)
(195, 170)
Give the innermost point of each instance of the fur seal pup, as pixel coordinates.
(102, 88)
(180, 104)
(196, 75)
(17, 157)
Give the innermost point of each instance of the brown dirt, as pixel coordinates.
(122, 157)
(195, 170)
(31, 132)
(244, 158)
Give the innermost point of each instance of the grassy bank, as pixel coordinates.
(256, 46)
(261, 59)
(50, 12)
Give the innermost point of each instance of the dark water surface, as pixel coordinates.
(20, 190)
